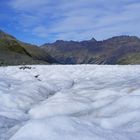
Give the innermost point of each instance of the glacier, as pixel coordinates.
(70, 102)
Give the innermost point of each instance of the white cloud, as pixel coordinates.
(28, 5)
(79, 19)
(41, 31)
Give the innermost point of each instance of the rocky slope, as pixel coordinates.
(14, 52)
(116, 50)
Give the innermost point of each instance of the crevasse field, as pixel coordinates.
(83, 102)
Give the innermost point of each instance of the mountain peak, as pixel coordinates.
(93, 39)
(2, 34)
(59, 41)
(124, 37)
(5, 35)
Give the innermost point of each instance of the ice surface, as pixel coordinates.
(82, 102)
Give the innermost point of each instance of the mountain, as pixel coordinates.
(15, 52)
(116, 50)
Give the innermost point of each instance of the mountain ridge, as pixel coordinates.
(115, 50)
(15, 52)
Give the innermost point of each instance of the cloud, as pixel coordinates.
(28, 5)
(41, 31)
(62, 19)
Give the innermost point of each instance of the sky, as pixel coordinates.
(43, 21)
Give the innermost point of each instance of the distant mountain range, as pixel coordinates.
(116, 50)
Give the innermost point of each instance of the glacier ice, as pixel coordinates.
(81, 102)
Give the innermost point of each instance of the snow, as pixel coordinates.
(71, 102)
